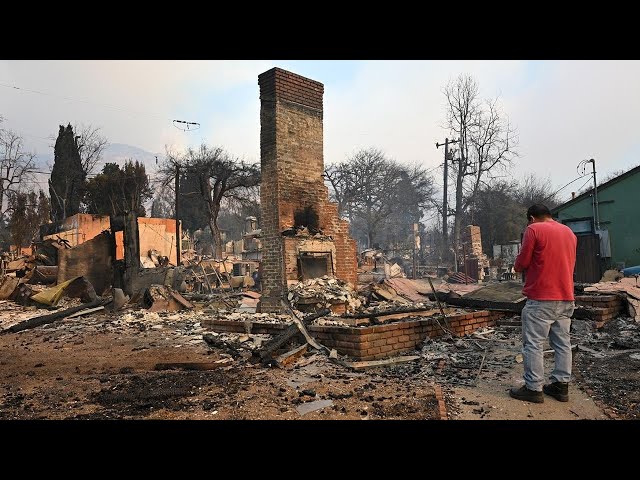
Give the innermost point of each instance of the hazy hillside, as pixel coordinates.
(119, 153)
(114, 153)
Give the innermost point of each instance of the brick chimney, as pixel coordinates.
(293, 194)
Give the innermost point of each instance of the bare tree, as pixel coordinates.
(16, 166)
(341, 177)
(91, 145)
(221, 177)
(533, 189)
(486, 143)
(370, 188)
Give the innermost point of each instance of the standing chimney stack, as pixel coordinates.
(302, 234)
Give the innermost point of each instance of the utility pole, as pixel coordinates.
(413, 267)
(445, 236)
(416, 246)
(595, 195)
(187, 127)
(596, 211)
(178, 233)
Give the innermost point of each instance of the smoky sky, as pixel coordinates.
(563, 111)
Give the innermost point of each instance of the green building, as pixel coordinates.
(619, 217)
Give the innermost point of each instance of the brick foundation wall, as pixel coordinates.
(608, 306)
(382, 341)
(375, 342)
(600, 301)
(291, 157)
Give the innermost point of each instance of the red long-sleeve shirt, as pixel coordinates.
(548, 255)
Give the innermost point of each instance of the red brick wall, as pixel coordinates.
(600, 301)
(382, 341)
(608, 306)
(291, 87)
(378, 341)
(291, 155)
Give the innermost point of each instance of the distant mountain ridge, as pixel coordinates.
(120, 152)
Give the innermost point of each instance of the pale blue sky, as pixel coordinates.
(564, 111)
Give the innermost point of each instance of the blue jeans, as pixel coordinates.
(542, 319)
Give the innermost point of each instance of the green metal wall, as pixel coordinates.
(619, 213)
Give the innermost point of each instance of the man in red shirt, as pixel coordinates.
(548, 257)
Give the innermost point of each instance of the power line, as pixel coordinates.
(48, 140)
(584, 183)
(186, 124)
(157, 115)
(445, 182)
(105, 105)
(574, 180)
(429, 170)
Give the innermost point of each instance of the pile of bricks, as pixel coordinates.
(603, 308)
(378, 341)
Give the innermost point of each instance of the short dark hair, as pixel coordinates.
(538, 210)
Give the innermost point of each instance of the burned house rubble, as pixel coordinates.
(295, 324)
(367, 361)
(83, 262)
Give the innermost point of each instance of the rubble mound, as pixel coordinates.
(323, 292)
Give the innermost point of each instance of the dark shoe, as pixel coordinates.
(523, 393)
(558, 390)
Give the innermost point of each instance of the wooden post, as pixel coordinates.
(464, 259)
(178, 235)
(131, 251)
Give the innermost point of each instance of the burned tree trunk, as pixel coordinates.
(217, 237)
